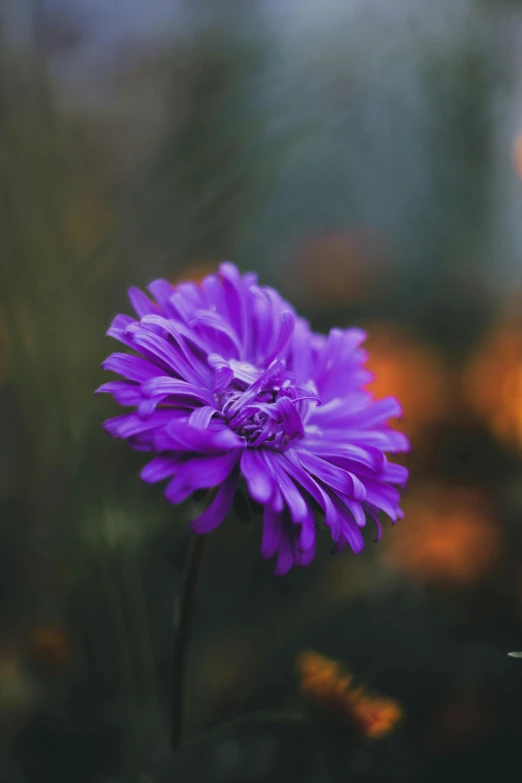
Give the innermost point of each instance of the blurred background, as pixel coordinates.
(366, 159)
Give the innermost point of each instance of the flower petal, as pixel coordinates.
(272, 528)
(159, 469)
(201, 417)
(132, 367)
(124, 393)
(141, 303)
(217, 437)
(201, 473)
(286, 330)
(285, 559)
(216, 512)
(259, 481)
(337, 478)
(293, 498)
(165, 385)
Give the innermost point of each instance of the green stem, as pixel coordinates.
(180, 652)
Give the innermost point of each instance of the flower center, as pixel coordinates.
(269, 420)
(269, 410)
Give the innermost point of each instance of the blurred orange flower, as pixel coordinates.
(335, 268)
(324, 682)
(50, 644)
(195, 272)
(492, 383)
(414, 373)
(447, 536)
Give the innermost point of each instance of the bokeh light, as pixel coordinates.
(323, 682)
(415, 373)
(448, 536)
(492, 382)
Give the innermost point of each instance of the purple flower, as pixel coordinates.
(227, 381)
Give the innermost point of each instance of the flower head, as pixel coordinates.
(226, 381)
(324, 683)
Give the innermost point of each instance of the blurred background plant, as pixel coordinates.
(365, 158)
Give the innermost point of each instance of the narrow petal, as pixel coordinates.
(293, 467)
(178, 490)
(187, 438)
(327, 448)
(214, 295)
(356, 510)
(337, 478)
(272, 528)
(303, 558)
(147, 406)
(377, 524)
(181, 335)
(132, 367)
(234, 298)
(216, 512)
(186, 299)
(118, 329)
(124, 393)
(131, 424)
(293, 498)
(395, 474)
(214, 322)
(285, 559)
(286, 331)
(159, 469)
(387, 440)
(301, 361)
(263, 323)
(290, 417)
(379, 412)
(307, 534)
(201, 473)
(165, 355)
(165, 385)
(223, 372)
(162, 291)
(201, 417)
(350, 534)
(350, 531)
(259, 481)
(384, 498)
(141, 303)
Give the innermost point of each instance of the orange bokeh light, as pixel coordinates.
(492, 383)
(323, 682)
(447, 536)
(414, 373)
